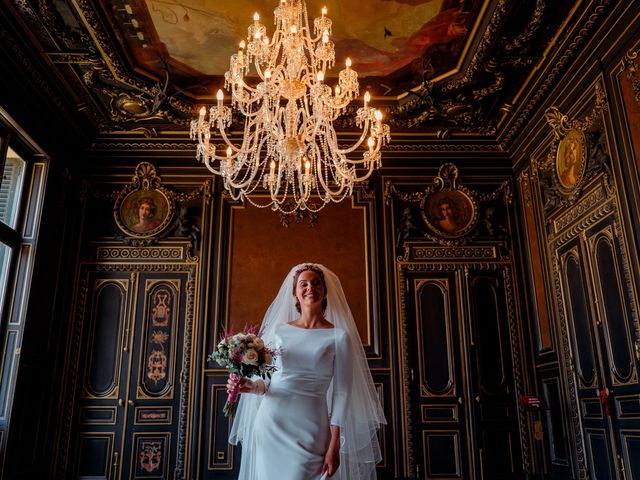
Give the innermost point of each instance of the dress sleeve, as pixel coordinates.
(341, 381)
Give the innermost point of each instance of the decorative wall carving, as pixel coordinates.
(478, 220)
(145, 184)
(588, 159)
(630, 64)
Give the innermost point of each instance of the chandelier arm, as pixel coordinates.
(249, 113)
(339, 107)
(356, 145)
(207, 163)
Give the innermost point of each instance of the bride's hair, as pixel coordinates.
(318, 271)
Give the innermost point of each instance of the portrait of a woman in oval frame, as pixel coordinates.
(571, 159)
(144, 213)
(450, 213)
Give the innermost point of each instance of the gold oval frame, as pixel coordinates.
(571, 159)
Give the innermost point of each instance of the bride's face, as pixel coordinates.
(309, 289)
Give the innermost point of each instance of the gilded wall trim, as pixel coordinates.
(588, 203)
(408, 436)
(70, 379)
(126, 253)
(185, 374)
(516, 355)
(629, 284)
(630, 64)
(586, 222)
(422, 253)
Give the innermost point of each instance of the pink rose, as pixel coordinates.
(237, 355)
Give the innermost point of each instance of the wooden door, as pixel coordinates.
(132, 410)
(462, 398)
(435, 363)
(599, 306)
(492, 388)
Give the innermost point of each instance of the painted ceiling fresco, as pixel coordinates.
(448, 67)
(386, 39)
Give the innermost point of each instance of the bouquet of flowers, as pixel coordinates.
(243, 354)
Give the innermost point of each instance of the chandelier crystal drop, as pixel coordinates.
(289, 146)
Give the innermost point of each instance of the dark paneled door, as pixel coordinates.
(132, 397)
(600, 310)
(495, 412)
(435, 342)
(462, 398)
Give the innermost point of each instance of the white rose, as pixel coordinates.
(250, 357)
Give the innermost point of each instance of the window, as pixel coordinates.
(11, 187)
(23, 170)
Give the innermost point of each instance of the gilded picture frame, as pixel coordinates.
(450, 213)
(571, 159)
(144, 208)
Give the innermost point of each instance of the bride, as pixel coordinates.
(319, 414)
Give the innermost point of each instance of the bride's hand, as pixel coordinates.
(332, 457)
(331, 462)
(242, 385)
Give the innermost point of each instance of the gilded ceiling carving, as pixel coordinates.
(122, 80)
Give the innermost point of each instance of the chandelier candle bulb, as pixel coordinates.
(289, 112)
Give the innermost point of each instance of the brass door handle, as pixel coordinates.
(120, 402)
(131, 403)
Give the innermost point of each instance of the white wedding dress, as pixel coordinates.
(304, 397)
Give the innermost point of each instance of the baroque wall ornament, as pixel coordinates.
(576, 155)
(630, 64)
(144, 208)
(145, 211)
(450, 211)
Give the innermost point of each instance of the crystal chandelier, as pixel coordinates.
(289, 147)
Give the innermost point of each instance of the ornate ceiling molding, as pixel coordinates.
(560, 66)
